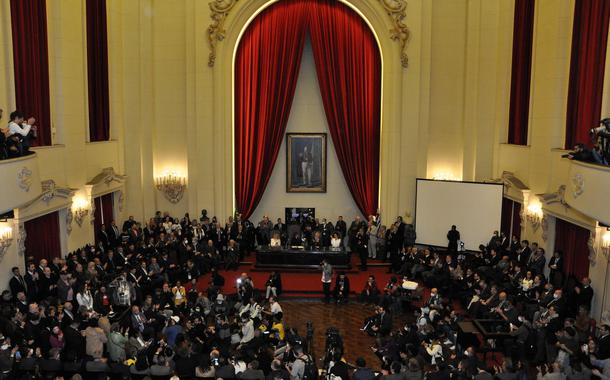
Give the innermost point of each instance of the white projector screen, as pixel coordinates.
(474, 208)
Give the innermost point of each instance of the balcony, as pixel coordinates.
(588, 188)
(19, 182)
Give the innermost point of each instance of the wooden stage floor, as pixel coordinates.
(347, 318)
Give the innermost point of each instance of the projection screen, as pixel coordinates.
(475, 209)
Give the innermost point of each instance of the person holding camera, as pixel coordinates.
(602, 135)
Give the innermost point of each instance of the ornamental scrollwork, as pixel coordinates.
(24, 179)
(578, 185)
(216, 32)
(396, 9)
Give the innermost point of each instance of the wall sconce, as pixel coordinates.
(6, 239)
(606, 242)
(534, 214)
(172, 186)
(80, 209)
(445, 176)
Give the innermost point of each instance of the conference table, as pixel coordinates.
(298, 258)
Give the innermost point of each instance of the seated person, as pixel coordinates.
(378, 324)
(20, 132)
(342, 288)
(433, 305)
(335, 240)
(273, 285)
(295, 240)
(276, 240)
(370, 293)
(316, 241)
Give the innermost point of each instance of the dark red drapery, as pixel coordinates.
(267, 65)
(348, 65)
(97, 71)
(42, 240)
(589, 41)
(266, 72)
(511, 219)
(31, 61)
(523, 33)
(572, 241)
(104, 213)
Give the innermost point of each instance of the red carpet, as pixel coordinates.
(300, 284)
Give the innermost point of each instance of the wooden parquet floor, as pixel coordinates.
(347, 318)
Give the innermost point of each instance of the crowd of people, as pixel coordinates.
(133, 306)
(540, 324)
(16, 137)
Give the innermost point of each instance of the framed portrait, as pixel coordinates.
(306, 162)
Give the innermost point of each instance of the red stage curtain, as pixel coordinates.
(266, 71)
(97, 70)
(42, 240)
(31, 61)
(572, 241)
(348, 65)
(589, 41)
(104, 213)
(521, 72)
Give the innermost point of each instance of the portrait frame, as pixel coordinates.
(306, 162)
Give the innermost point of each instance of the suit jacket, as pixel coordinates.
(345, 286)
(385, 323)
(103, 238)
(251, 374)
(17, 284)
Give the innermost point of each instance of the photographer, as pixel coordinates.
(601, 135)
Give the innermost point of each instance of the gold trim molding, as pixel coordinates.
(396, 9)
(216, 32)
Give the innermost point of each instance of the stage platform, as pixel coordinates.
(289, 258)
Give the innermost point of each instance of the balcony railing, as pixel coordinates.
(588, 189)
(19, 182)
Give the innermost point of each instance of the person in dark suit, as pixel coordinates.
(556, 269)
(453, 236)
(114, 234)
(31, 280)
(128, 223)
(361, 246)
(380, 323)
(341, 227)
(17, 283)
(584, 294)
(102, 237)
(74, 347)
(603, 343)
(522, 255)
(342, 288)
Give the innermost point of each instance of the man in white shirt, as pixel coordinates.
(17, 127)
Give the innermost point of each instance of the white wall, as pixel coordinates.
(307, 115)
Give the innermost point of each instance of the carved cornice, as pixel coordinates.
(556, 197)
(396, 9)
(216, 32)
(510, 181)
(106, 177)
(49, 191)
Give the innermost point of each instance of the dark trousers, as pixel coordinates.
(363, 253)
(326, 287)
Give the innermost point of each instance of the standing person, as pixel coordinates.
(327, 278)
(373, 228)
(453, 236)
(361, 245)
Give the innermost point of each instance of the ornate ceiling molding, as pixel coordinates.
(216, 31)
(397, 10)
(106, 177)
